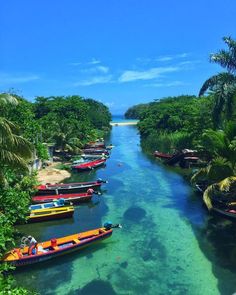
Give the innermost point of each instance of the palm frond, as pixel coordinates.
(6, 98)
(12, 160)
(226, 58)
(217, 81)
(207, 197)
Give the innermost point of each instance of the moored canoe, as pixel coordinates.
(56, 247)
(74, 198)
(60, 188)
(50, 214)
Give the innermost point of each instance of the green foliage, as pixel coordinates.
(98, 114)
(135, 112)
(15, 199)
(166, 142)
(174, 123)
(221, 143)
(71, 121)
(42, 151)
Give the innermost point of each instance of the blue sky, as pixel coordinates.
(119, 52)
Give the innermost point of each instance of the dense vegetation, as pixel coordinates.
(175, 123)
(135, 112)
(25, 130)
(206, 123)
(69, 122)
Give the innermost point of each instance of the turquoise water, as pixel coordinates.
(121, 119)
(169, 244)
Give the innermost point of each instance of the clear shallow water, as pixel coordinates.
(169, 243)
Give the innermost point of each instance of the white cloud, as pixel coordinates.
(150, 74)
(12, 79)
(165, 58)
(103, 69)
(167, 84)
(94, 61)
(94, 80)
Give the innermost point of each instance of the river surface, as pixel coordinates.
(169, 243)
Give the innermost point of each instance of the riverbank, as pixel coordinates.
(51, 174)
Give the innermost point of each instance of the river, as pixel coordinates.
(169, 243)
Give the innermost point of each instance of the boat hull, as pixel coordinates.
(227, 213)
(67, 188)
(79, 245)
(74, 198)
(89, 166)
(48, 215)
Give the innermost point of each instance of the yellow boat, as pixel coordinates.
(50, 213)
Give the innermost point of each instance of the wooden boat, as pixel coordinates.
(184, 158)
(55, 204)
(94, 156)
(50, 214)
(89, 165)
(56, 247)
(63, 188)
(74, 198)
(162, 155)
(226, 212)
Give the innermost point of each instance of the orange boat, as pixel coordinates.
(56, 247)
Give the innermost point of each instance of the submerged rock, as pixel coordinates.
(134, 214)
(97, 287)
(124, 264)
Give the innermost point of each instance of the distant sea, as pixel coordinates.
(121, 118)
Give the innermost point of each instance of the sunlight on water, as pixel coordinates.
(166, 244)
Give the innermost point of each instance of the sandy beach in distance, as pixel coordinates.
(123, 123)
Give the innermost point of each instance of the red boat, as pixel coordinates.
(162, 155)
(89, 165)
(63, 188)
(74, 198)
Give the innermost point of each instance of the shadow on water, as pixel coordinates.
(98, 287)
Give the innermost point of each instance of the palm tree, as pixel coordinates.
(223, 85)
(15, 151)
(222, 146)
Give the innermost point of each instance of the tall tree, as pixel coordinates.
(223, 85)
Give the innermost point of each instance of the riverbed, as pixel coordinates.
(169, 243)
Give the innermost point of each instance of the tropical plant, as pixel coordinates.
(223, 192)
(15, 151)
(223, 85)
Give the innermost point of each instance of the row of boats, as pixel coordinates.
(53, 201)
